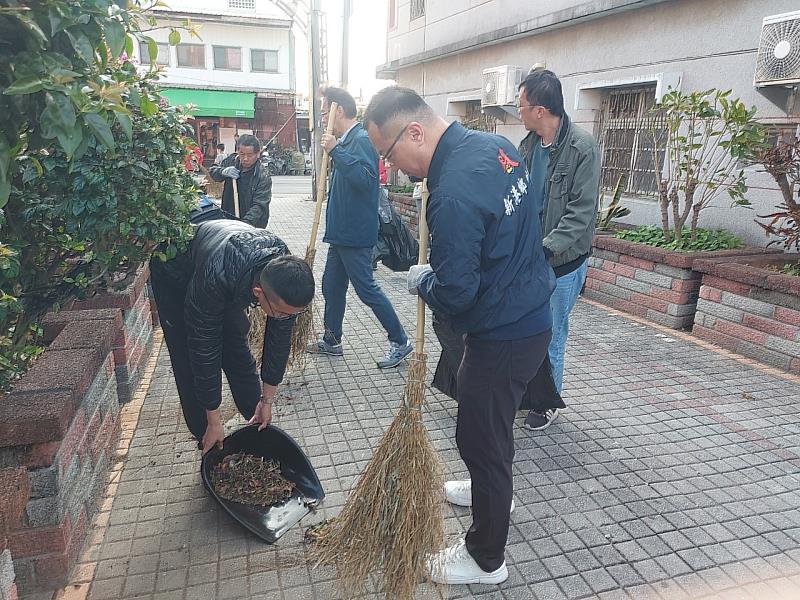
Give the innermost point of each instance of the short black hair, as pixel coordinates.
(220, 146)
(290, 278)
(249, 140)
(343, 99)
(394, 101)
(543, 88)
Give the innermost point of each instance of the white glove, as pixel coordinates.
(230, 172)
(415, 276)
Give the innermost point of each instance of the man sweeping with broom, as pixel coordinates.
(488, 274)
(351, 229)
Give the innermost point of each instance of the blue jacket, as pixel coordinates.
(490, 274)
(352, 215)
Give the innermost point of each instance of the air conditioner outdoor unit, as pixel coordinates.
(778, 61)
(500, 85)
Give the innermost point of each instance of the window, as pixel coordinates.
(417, 9)
(264, 61)
(161, 59)
(629, 133)
(392, 14)
(242, 4)
(192, 56)
(227, 58)
(475, 118)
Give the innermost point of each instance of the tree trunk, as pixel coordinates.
(663, 202)
(695, 220)
(677, 224)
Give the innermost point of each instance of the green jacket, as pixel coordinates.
(571, 191)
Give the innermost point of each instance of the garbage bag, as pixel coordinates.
(384, 207)
(398, 248)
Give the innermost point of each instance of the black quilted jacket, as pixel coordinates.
(225, 257)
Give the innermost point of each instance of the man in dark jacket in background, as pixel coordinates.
(564, 165)
(202, 296)
(252, 180)
(351, 229)
(489, 276)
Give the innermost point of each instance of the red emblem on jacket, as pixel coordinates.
(505, 162)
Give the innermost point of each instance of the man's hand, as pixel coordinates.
(328, 142)
(230, 172)
(215, 433)
(263, 414)
(415, 276)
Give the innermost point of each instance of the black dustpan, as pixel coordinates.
(270, 522)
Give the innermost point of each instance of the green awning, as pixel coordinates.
(213, 103)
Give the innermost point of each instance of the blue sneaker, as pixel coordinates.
(395, 355)
(323, 347)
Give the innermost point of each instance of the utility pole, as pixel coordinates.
(348, 9)
(314, 99)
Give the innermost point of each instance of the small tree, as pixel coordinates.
(707, 136)
(783, 163)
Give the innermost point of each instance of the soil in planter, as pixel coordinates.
(251, 480)
(787, 269)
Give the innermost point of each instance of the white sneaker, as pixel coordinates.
(454, 566)
(460, 493)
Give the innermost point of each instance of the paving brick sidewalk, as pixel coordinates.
(675, 473)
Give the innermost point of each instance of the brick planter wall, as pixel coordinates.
(657, 284)
(751, 310)
(13, 496)
(407, 208)
(59, 423)
(134, 341)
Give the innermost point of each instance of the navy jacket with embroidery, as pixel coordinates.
(490, 275)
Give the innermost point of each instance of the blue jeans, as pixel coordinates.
(568, 287)
(345, 265)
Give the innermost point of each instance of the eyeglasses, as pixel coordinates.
(388, 154)
(281, 316)
(521, 107)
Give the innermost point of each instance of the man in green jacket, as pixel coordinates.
(564, 165)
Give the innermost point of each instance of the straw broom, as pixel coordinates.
(393, 518)
(303, 329)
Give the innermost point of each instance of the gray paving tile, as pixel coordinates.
(673, 472)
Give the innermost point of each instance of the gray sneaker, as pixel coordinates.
(395, 355)
(323, 347)
(537, 421)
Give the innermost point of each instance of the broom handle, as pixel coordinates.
(423, 258)
(235, 187)
(323, 175)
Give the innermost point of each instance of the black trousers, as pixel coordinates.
(237, 360)
(492, 380)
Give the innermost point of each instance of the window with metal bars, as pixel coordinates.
(242, 4)
(631, 140)
(417, 9)
(475, 118)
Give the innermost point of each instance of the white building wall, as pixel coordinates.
(246, 37)
(262, 8)
(705, 43)
(453, 21)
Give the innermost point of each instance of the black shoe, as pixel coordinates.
(537, 421)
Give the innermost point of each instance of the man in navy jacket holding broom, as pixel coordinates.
(488, 274)
(351, 229)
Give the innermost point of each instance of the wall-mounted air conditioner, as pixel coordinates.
(500, 85)
(778, 61)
